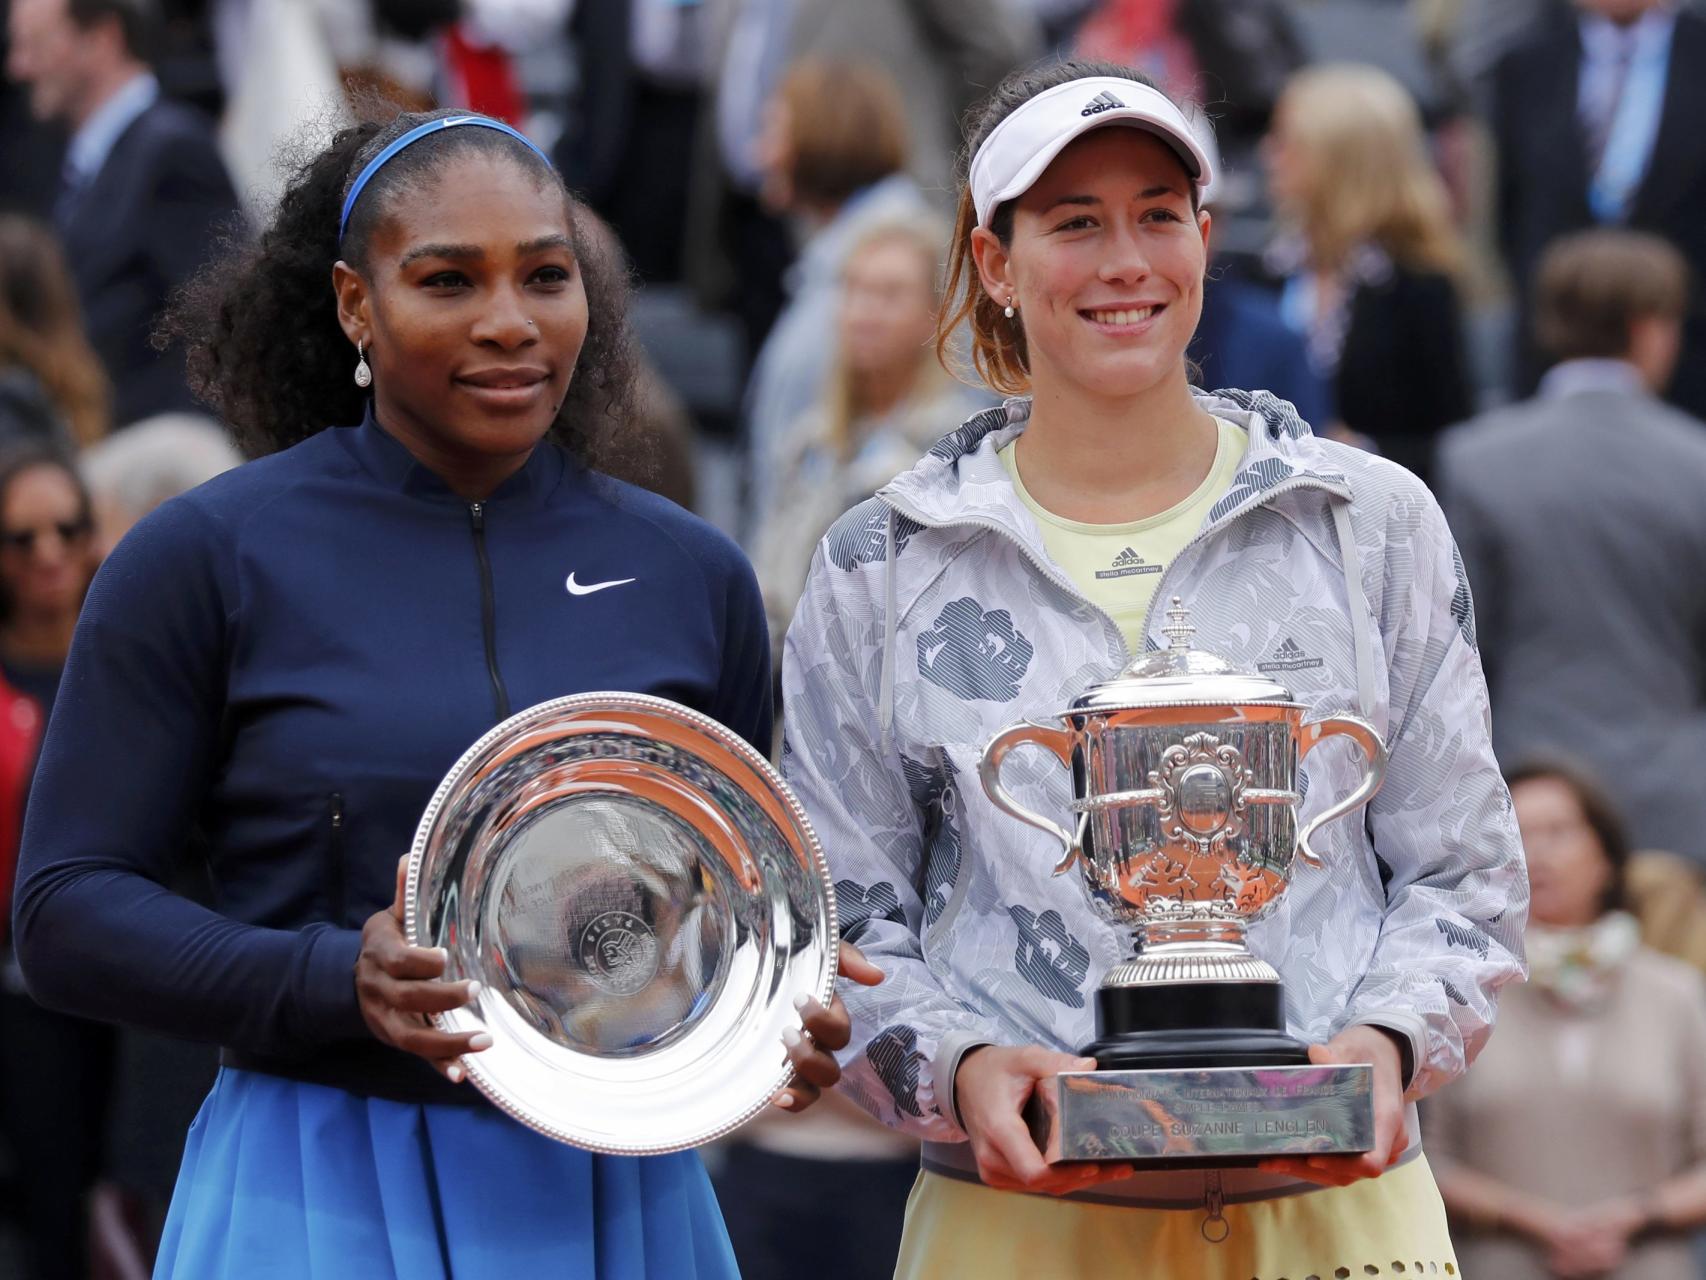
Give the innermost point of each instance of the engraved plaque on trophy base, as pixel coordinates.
(1195, 1118)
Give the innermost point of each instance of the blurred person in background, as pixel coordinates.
(1576, 1146)
(1366, 256)
(135, 471)
(834, 153)
(52, 387)
(628, 150)
(56, 1071)
(143, 195)
(34, 150)
(1242, 339)
(942, 55)
(1597, 119)
(886, 401)
(1233, 56)
(1580, 519)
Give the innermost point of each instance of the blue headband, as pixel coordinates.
(415, 135)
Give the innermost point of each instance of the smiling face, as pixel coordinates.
(1105, 266)
(472, 311)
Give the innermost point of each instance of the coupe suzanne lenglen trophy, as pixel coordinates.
(1185, 782)
(641, 898)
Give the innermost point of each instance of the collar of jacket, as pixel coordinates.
(385, 458)
(962, 481)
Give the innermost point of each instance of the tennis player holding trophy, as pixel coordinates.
(1283, 848)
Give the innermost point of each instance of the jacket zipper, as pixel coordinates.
(335, 860)
(488, 611)
(1060, 580)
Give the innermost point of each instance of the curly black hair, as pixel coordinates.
(265, 350)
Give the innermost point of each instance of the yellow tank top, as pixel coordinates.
(1117, 566)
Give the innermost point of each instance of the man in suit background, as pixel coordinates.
(1597, 119)
(1579, 518)
(143, 194)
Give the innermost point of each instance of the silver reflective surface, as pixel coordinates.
(642, 899)
(1184, 774)
(1216, 842)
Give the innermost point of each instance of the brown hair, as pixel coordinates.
(998, 352)
(1367, 173)
(1599, 810)
(1592, 286)
(41, 327)
(846, 128)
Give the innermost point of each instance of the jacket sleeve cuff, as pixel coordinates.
(1408, 1029)
(950, 1050)
(330, 1009)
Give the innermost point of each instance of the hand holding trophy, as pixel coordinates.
(1185, 830)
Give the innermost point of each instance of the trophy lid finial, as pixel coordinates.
(1179, 629)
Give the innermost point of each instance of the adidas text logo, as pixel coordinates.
(1289, 656)
(1126, 564)
(1103, 101)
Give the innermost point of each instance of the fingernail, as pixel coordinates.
(785, 1100)
(480, 1040)
(442, 954)
(455, 1074)
(474, 989)
(791, 1037)
(801, 1001)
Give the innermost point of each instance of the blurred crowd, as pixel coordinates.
(1467, 234)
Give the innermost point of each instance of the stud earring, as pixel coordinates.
(363, 374)
(1009, 309)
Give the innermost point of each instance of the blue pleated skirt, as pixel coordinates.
(304, 1182)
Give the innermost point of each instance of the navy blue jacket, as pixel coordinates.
(278, 668)
(135, 235)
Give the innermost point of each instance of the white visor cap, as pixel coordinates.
(1017, 151)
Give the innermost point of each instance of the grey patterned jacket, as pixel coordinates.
(933, 618)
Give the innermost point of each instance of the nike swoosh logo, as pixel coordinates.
(576, 589)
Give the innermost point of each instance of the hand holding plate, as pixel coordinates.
(399, 986)
(826, 1030)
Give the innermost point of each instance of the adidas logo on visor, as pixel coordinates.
(1103, 101)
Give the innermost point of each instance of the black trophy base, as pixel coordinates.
(1193, 1024)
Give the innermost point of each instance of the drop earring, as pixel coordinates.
(363, 374)
(1009, 309)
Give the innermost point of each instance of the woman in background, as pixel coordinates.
(833, 150)
(1366, 258)
(55, 1070)
(1577, 1145)
(883, 406)
(52, 386)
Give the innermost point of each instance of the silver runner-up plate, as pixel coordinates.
(641, 899)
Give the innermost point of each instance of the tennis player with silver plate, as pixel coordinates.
(1185, 829)
(641, 899)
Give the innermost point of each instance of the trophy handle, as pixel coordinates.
(1059, 741)
(1363, 734)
